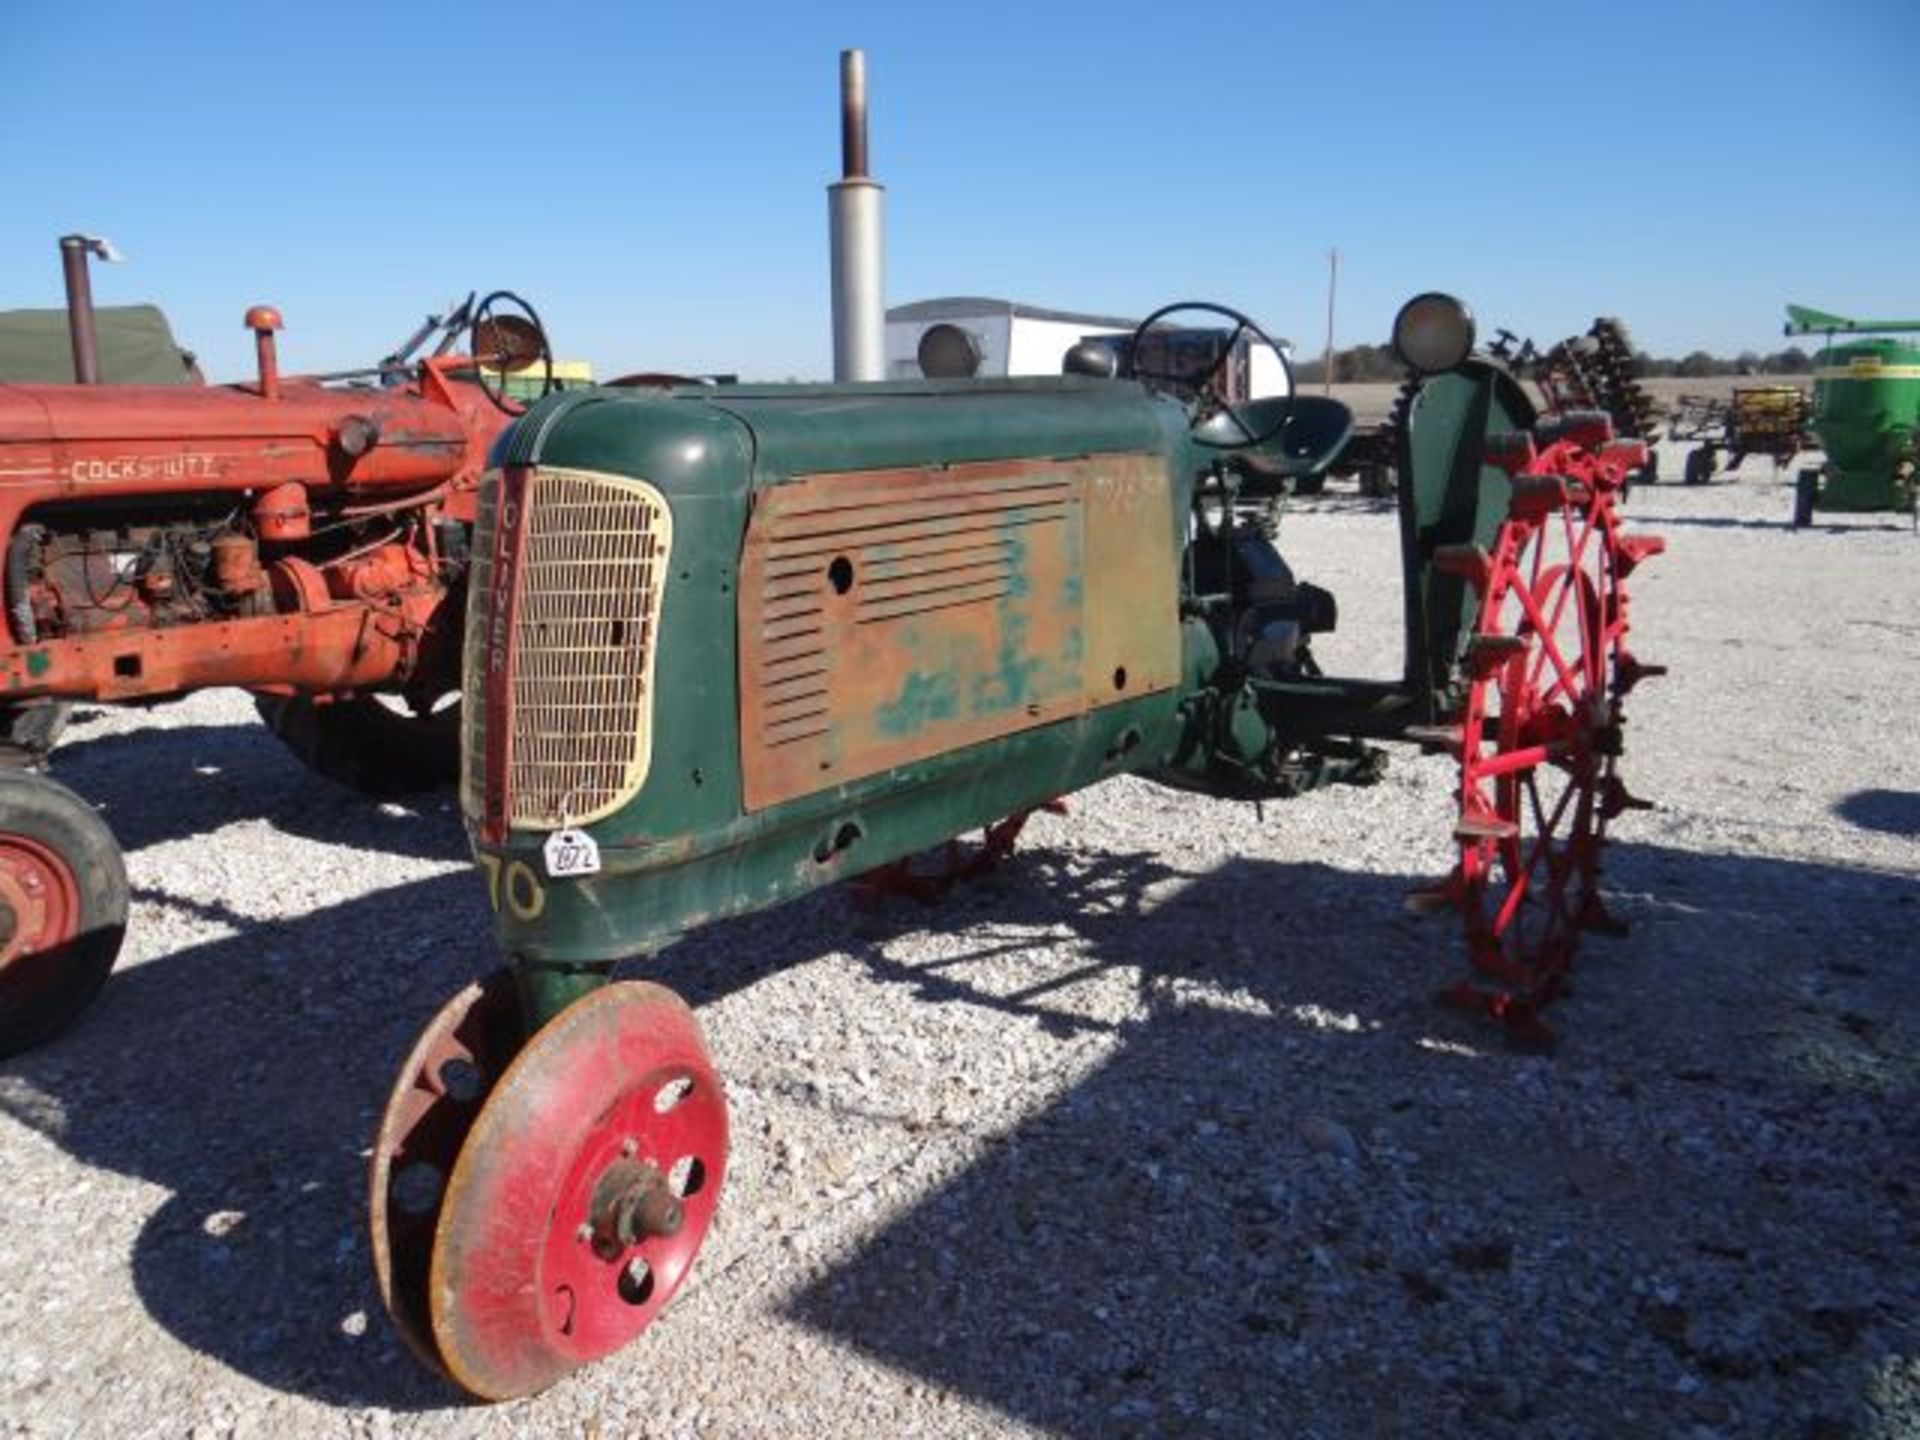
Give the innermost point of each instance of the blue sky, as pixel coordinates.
(652, 176)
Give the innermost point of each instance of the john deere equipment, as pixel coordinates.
(1866, 410)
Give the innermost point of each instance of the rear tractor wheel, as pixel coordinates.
(63, 908)
(379, 745)
(1539, 735)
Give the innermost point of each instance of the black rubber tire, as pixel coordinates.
(38, 1005)
(1313, 484)
(366, 746)
(1806, 492)
(1699, 466)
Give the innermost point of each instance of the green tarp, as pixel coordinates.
(136, 348)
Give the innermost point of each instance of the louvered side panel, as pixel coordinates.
(890, 616)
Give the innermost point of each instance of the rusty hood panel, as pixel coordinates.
(890, 615)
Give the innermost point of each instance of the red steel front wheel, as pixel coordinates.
(566, 1194)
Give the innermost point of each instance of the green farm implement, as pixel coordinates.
(1866, 412)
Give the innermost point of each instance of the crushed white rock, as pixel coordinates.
(1155, 1132)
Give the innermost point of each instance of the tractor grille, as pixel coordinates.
(577, 604)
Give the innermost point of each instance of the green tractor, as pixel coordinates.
(730, 644)
(1866, 413)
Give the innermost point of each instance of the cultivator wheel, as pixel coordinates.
(1539, 735)
(63, 909)
(1635, 413)
(929, 876)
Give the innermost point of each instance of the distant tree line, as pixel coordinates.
(1695, 363)
(1377, 362)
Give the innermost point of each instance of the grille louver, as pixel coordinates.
(581, 615)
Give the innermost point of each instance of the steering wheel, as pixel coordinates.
(503, 343)
(1216, 424)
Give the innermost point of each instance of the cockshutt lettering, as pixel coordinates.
(99, 470)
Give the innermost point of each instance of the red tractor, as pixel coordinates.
(304, 538)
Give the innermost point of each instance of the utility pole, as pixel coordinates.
(1333, 284)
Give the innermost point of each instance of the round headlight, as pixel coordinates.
(1433, 332)
(948, 353)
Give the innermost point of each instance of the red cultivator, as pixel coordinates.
(1539, 734)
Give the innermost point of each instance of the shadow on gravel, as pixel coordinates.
(1165, 1241)
(245, 1075)
(1342, 500)
(159, 785)
(1695, 1215)
(1892, 812)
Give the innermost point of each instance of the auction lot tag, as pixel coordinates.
(571, 852)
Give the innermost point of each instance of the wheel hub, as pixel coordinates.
(632, 1201)
(39, 900)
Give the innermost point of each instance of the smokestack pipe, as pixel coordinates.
(853, 115)
(74, 250)
(857, 239)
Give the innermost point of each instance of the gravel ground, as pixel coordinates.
(1154, 1132)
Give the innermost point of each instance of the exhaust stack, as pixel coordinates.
(857, 239)
(74, 250)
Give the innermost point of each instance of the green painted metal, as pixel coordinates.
(686, 850)
(1451, 495)
(1866, 411)
(1803, 321)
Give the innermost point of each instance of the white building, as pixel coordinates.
(1010, 338)
(1004, 337)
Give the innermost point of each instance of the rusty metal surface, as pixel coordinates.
(116, 453)
(80, 319)
(435, 1098)
(853, 114)
(888, 616)
(350, 646)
